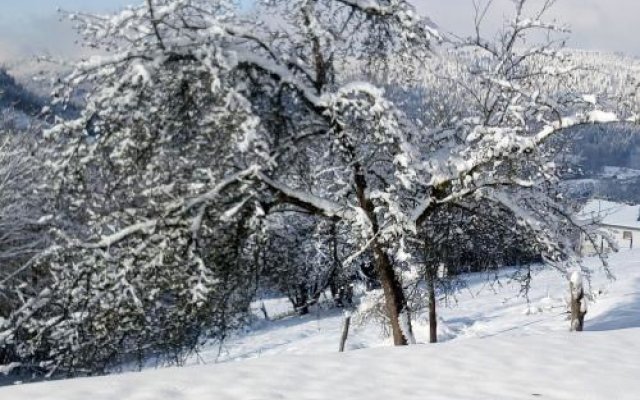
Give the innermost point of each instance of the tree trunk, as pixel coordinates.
(263, 308)
(433, 322)
(395, 301)
(578, 308)
(303, 310)
(302, 302)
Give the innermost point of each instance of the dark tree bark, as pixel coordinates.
(345, 332)
(577, 310)
(263, 308)
(301, 304)
(433, 322)
(395, 300)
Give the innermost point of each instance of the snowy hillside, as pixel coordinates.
(484, 309)
(593, 365)
(499, 348)
(17, 104)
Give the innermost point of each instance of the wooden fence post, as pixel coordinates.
(345, 330)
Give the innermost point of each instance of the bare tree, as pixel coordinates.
(23, 232)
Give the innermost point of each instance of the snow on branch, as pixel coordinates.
(513, 146)
(220, 186)
(404, 12)
(305, 200)
(592, 117)
(528, 23)
(371, 6)
(283, 74)
(110, 240)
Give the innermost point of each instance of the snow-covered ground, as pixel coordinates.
(496, 346)
(484, 309)
(619, 173)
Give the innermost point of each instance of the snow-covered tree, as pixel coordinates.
(23, 223)
(492, 108)
(189, 128)
(507, 99)
(22, 212)
(302, 258)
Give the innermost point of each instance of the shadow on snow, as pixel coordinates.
(624, 315)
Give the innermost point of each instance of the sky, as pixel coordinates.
(605, 25)
(29, 28)
(32, 27)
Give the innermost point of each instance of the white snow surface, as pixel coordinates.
(611, 213)
(495, 346)
(576, 280)
(620, 173)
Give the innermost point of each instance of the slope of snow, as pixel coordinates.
(611, 213)
(621, 173)
(560, 365)
(484, 309)
(497, 347)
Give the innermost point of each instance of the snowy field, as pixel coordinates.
(620, 173)
(495, 346)
(484, 309)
